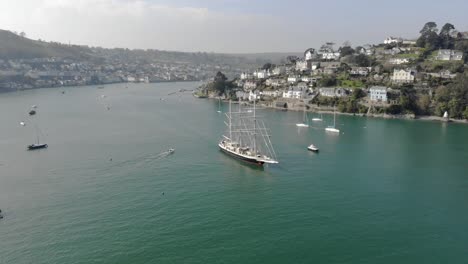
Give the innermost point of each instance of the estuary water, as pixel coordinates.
(382, 191)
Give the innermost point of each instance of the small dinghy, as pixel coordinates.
(313, 148)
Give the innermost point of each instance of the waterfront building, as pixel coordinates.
(378, 94)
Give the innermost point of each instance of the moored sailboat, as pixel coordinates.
(37, 145)
(305, 119)
(333, 128)
(318, 119)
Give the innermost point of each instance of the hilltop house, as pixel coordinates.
(275, 82)
(293, 78)
(278, 70)
(330, 55)
(409, 42)
(367, 50)
(392, 40)
(253, 96)
(398, 61)
(333, 92)
(311, 54)
(270, 93)
(301, 65)
(403, 76)
(245, 76)
(449, 55)
(378, 93)
(261, 74)
(444, 74)
(294, 93)
(361, 71)
(250, 85)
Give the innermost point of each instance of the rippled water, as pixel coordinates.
(383, 191)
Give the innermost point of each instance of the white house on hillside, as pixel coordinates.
(294, 93)
(270, 93)
(278, 70)
(250, 85)
(301, 65)
(331, 56)
(293, 78)
(245, 76)
(378, 93)
(261, 74)
(253, 96)
(333, 92)
(449, 55)
(392, 40)
(398, 61)
(403, 76)
(362, 71)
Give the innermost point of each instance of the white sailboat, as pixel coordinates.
(219, 105)
(247, 138)
(317, 119)
(305, 119)
(332, 128)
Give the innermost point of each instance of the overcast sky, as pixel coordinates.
(232, 26)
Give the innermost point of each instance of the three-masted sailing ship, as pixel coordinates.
(247, 137)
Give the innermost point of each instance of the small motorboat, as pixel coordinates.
(170, 151)
(313, 148)
(32, 112)
(37, 146)
(34, 106)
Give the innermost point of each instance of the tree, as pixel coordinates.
(292, 59)
(429, 27)
(465, 113)
(328, 81)
(22, 34)
(408, 99)
(429, 38)
(357, 93)
(268, 66)
(362, 60)
(220, 77)
(346, 50)
(446, 40)
(424, 103)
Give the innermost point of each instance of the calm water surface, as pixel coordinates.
(383, 191)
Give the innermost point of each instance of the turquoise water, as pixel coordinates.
(383, 191)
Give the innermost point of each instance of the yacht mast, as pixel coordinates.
(334, 117)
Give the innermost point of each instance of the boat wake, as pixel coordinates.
(146, 159)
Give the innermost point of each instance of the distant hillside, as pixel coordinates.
(13, 46)
(273, 57)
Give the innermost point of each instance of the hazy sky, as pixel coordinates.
(226, 25)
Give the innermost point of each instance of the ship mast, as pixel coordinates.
(254, 132)
(230, 121)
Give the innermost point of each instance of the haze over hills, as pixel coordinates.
(27, 63)
(13, 46)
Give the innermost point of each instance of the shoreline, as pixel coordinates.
(315, 109)
(9, 90)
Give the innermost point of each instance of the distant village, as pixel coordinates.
(366, 79)
(20, 74)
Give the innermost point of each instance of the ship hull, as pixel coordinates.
(242, 158)
(37, 146)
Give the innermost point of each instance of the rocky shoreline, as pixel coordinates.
(329, 110)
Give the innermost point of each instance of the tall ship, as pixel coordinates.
(247, 138)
